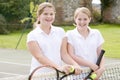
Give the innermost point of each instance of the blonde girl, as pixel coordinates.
(46, 42)
(84, 43)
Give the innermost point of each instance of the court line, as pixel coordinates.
(15, 63)
(10, 73)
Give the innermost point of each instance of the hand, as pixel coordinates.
(94, 67)
(99, 72)
(65, 68)
(78, 70)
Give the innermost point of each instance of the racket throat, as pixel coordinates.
(57, 75)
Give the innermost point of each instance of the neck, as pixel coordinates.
(45, 28)
(84, 32)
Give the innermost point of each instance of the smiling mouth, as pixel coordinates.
(48, 20)
(82, 25)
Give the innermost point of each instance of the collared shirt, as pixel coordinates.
(50, 44)
(85, 47)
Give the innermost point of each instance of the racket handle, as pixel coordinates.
(97, 63)
(100, 57)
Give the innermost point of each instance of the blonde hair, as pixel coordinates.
(42, 6)
(83, 10)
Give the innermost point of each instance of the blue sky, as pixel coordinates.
(96, 1)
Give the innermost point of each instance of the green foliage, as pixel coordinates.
(25, 19)
(106, 3)
(3, 27)
(18, 12)
(13, 10)
(33, 10)
(96, 15)
(2, 19)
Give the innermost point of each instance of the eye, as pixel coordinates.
(51, 14)
(79, 19)
(85, 19)
(45, 13)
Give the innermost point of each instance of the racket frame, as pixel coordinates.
(57, 72)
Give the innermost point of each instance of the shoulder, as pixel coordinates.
(31, 36)
(58, 29)
(32, 33)
(94, 31)
(70, 32)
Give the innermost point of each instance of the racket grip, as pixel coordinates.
(100, 57)
(97, 63)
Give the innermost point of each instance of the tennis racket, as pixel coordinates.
(97, 63)
(58, 74)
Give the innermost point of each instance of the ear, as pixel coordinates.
(38, 19)
(74, 22)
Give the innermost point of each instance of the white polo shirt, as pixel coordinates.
(50, 44)
(86, 48)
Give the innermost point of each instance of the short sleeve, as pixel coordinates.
(69, 38)
(31, 37)
(62, 32)
(100, 39)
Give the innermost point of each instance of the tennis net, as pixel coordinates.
(112, 72)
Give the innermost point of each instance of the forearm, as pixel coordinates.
(64, 53)
(101, 68)
(45, 61)
(68, 59)
(83, 62)
(102, 64)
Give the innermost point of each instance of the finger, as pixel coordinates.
(78, 71)
(66, 71)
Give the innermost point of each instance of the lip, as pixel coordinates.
(83, 25)
(48, 20)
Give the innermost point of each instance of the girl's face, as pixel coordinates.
(82, 20)
(47, 16)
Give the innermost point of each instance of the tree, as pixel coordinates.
(110, 11)
(3, 26)
(65, 10)
(13, 10)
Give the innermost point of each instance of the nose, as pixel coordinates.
(82, 21)
(48, 15)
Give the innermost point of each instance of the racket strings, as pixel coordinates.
(112, 72)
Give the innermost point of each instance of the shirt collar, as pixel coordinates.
(91, 32)
(39, 30)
